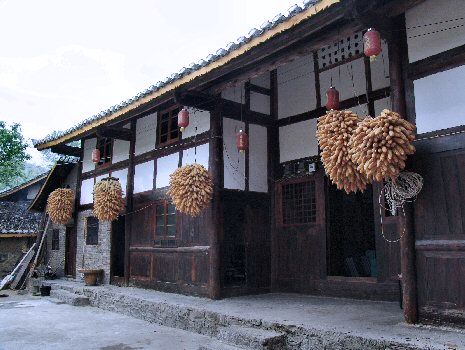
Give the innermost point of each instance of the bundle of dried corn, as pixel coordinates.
(60, 205)
(380, 146)
(191, 189)
(333, 133)
(108, 199)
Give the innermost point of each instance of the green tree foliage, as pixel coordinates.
(12, 154)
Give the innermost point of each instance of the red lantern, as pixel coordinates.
(96, 156)
(372, 44)
(332, 96)
(183, 119)
(242, 141)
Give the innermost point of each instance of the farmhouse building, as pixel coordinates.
(276, 223)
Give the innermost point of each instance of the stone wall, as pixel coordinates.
(93, 256)
(11, 251)
(56, 258)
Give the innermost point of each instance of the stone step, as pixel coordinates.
(69, 298)
(252, 338)
(219, 346)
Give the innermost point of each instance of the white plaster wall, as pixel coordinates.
(143, 176)
(122, 176)
(189, 155)
(120, 151)
(360, 110)
(234, 162)
(258, 158)
(234, 93)
(87, 164)
(146, 133)
(380, 69)
(165, 167)
(198, 120)
(87, 187)
(440, 35)
(298, 140)
(342, 80)
(296, 87)
(384, 103)
(262, 80)
(440, 100)
(120, 148)
(259, 103)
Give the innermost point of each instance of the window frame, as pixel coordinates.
(173, 114)
(279, 201)
(55, 239)
(88, 242)
(160, 238)
(102, 144)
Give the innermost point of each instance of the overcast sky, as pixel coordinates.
(62, 61)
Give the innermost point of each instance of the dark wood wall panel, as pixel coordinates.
(183, 268)
(141, 265)
(440, 235)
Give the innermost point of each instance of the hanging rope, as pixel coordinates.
(405, 188)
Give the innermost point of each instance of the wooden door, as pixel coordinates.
(299, 244)
(117, 247)
(70, 251)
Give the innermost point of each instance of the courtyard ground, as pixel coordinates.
(28, 322)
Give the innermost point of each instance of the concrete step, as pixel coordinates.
(252, 338)
(69, 298)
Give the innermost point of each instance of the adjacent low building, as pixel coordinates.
(18, 226)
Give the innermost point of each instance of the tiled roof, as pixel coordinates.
(15, 218)
(23, 185)
(195, 66)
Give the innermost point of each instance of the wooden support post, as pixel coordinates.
(397, 65)
(215, 215)
(273, 168)
(77, 202)
(129, 201)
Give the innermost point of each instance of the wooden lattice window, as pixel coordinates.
(168, 131)
(298, 203)
(165, 224)
(105, 145)
(91, 231)
(56, 239)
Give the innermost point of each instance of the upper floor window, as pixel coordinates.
(104, 145)
(168, 131)
(56, 239)
(91, 231)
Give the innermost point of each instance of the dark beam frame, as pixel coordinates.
(66, 150)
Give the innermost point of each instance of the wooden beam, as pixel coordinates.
(66, 150)
(398, 62)
(77, 202)
(259, 89)
(437, 63)
(214, 220)
(346, 104)
(115, 133)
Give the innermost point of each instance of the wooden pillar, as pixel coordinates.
(77, 202)
(215, 215)
(398, 59)
(273, 168)
(129, 202)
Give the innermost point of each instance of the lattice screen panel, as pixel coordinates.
(340, 50)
